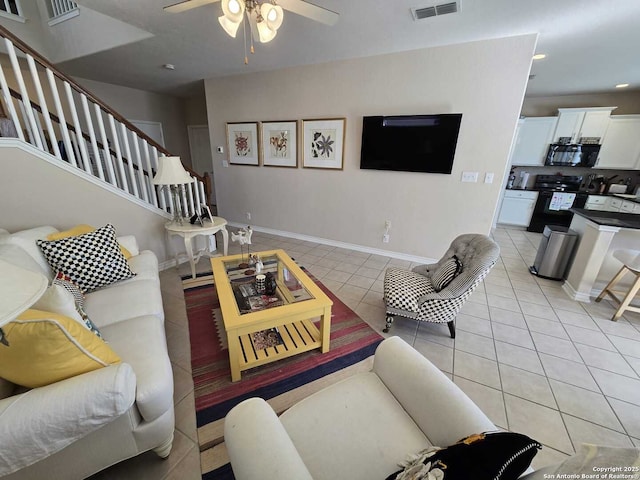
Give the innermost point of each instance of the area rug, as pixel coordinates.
(282, 383)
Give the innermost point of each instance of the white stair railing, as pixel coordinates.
(84, 131)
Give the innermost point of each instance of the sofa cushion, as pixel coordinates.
(327, 425)
(57, 299)
(80, 230)
(497, 455)
(403, 288)
(145, 266)
(45, 348)
(92, 260)
(142, 344)
(26, 239)
(123, 301)
(73, 289)
(20, 258)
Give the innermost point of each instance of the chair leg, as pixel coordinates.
(612, 283)
(452, 328)
(389, 322)
(627, 299)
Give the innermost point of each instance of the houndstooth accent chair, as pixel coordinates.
(409, 293)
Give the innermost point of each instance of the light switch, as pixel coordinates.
(488, 177)
(470, 177)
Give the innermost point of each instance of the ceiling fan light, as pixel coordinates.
(233, 10)
(273, 15)
(230, 27)
(265, 34)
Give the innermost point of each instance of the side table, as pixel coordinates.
(188, 232)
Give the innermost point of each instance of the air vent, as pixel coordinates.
(435, 10)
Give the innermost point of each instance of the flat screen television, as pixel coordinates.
(410, 143)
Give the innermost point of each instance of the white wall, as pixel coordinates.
(41, 193)
(485, 81)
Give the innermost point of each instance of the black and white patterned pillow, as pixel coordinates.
(69, 285)
(92, 260)
(445, 273)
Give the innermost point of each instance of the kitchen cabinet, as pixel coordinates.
(579, 123)
(517, 207)
(630, 207)
(533, 137)
(621, 144)
(596, 202)
(614, 204)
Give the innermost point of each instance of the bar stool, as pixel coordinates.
(631, 263)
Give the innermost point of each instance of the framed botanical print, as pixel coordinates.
(242, 143)
(323, 143)
(279, 143)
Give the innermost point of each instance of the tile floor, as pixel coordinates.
(535, 361)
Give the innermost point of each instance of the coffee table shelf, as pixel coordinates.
(304, 302)
(298, 337)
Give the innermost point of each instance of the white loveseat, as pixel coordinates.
(81, 425)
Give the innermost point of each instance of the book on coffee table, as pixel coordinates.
(266, 338)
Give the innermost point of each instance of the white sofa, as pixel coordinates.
(359, 428)
(79, 426)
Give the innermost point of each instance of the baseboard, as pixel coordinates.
(575, 295)
(337, 243)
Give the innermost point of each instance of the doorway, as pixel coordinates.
(201, 158)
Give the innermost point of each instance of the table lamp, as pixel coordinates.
(172, 173)
(19, 289)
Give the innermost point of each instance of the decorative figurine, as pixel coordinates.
(243, 237)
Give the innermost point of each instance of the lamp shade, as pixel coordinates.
(265, 34)
(273, 15)
(233, 10)
(19, 289)
(171, 172)
(230, 27)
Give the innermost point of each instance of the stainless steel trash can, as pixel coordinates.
(554, 252)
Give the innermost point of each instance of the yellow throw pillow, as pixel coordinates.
(45, 348)
(80, 230)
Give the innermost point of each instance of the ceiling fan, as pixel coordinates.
(298, 7)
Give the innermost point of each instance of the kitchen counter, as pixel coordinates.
(600, 233)
(610, 219)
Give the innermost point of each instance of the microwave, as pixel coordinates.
(572, 155)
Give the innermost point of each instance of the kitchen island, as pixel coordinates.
(600, 234)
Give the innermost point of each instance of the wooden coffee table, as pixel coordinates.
(300, 301)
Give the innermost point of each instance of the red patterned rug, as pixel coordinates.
(282, 382)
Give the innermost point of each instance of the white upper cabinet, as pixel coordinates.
(621, 144)
(532, 140)
(579, 123)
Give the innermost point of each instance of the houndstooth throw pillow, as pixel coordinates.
(445, 274)
(78, 297)
(92, 260)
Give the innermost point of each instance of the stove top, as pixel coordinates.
(558, 183)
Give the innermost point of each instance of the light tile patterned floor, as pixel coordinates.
(532, 359)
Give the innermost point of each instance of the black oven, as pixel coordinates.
(550, 210)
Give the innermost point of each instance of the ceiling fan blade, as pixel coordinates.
(310, 10)
(187, 5)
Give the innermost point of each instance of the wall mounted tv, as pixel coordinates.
(410, 143)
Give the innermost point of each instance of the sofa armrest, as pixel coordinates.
(130, 243)
(42, 421)
(259, 446)
(442, 411)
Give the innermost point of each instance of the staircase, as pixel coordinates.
(58, 116)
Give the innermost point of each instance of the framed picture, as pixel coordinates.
(323, 143)
(242, 143)
(279, 142)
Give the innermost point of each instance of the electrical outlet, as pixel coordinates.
(387, 224)
(225, 163)
(488, 177)
(248, 216)
(385, 238)
(470, 177)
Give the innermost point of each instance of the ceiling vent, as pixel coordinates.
(435, 10)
